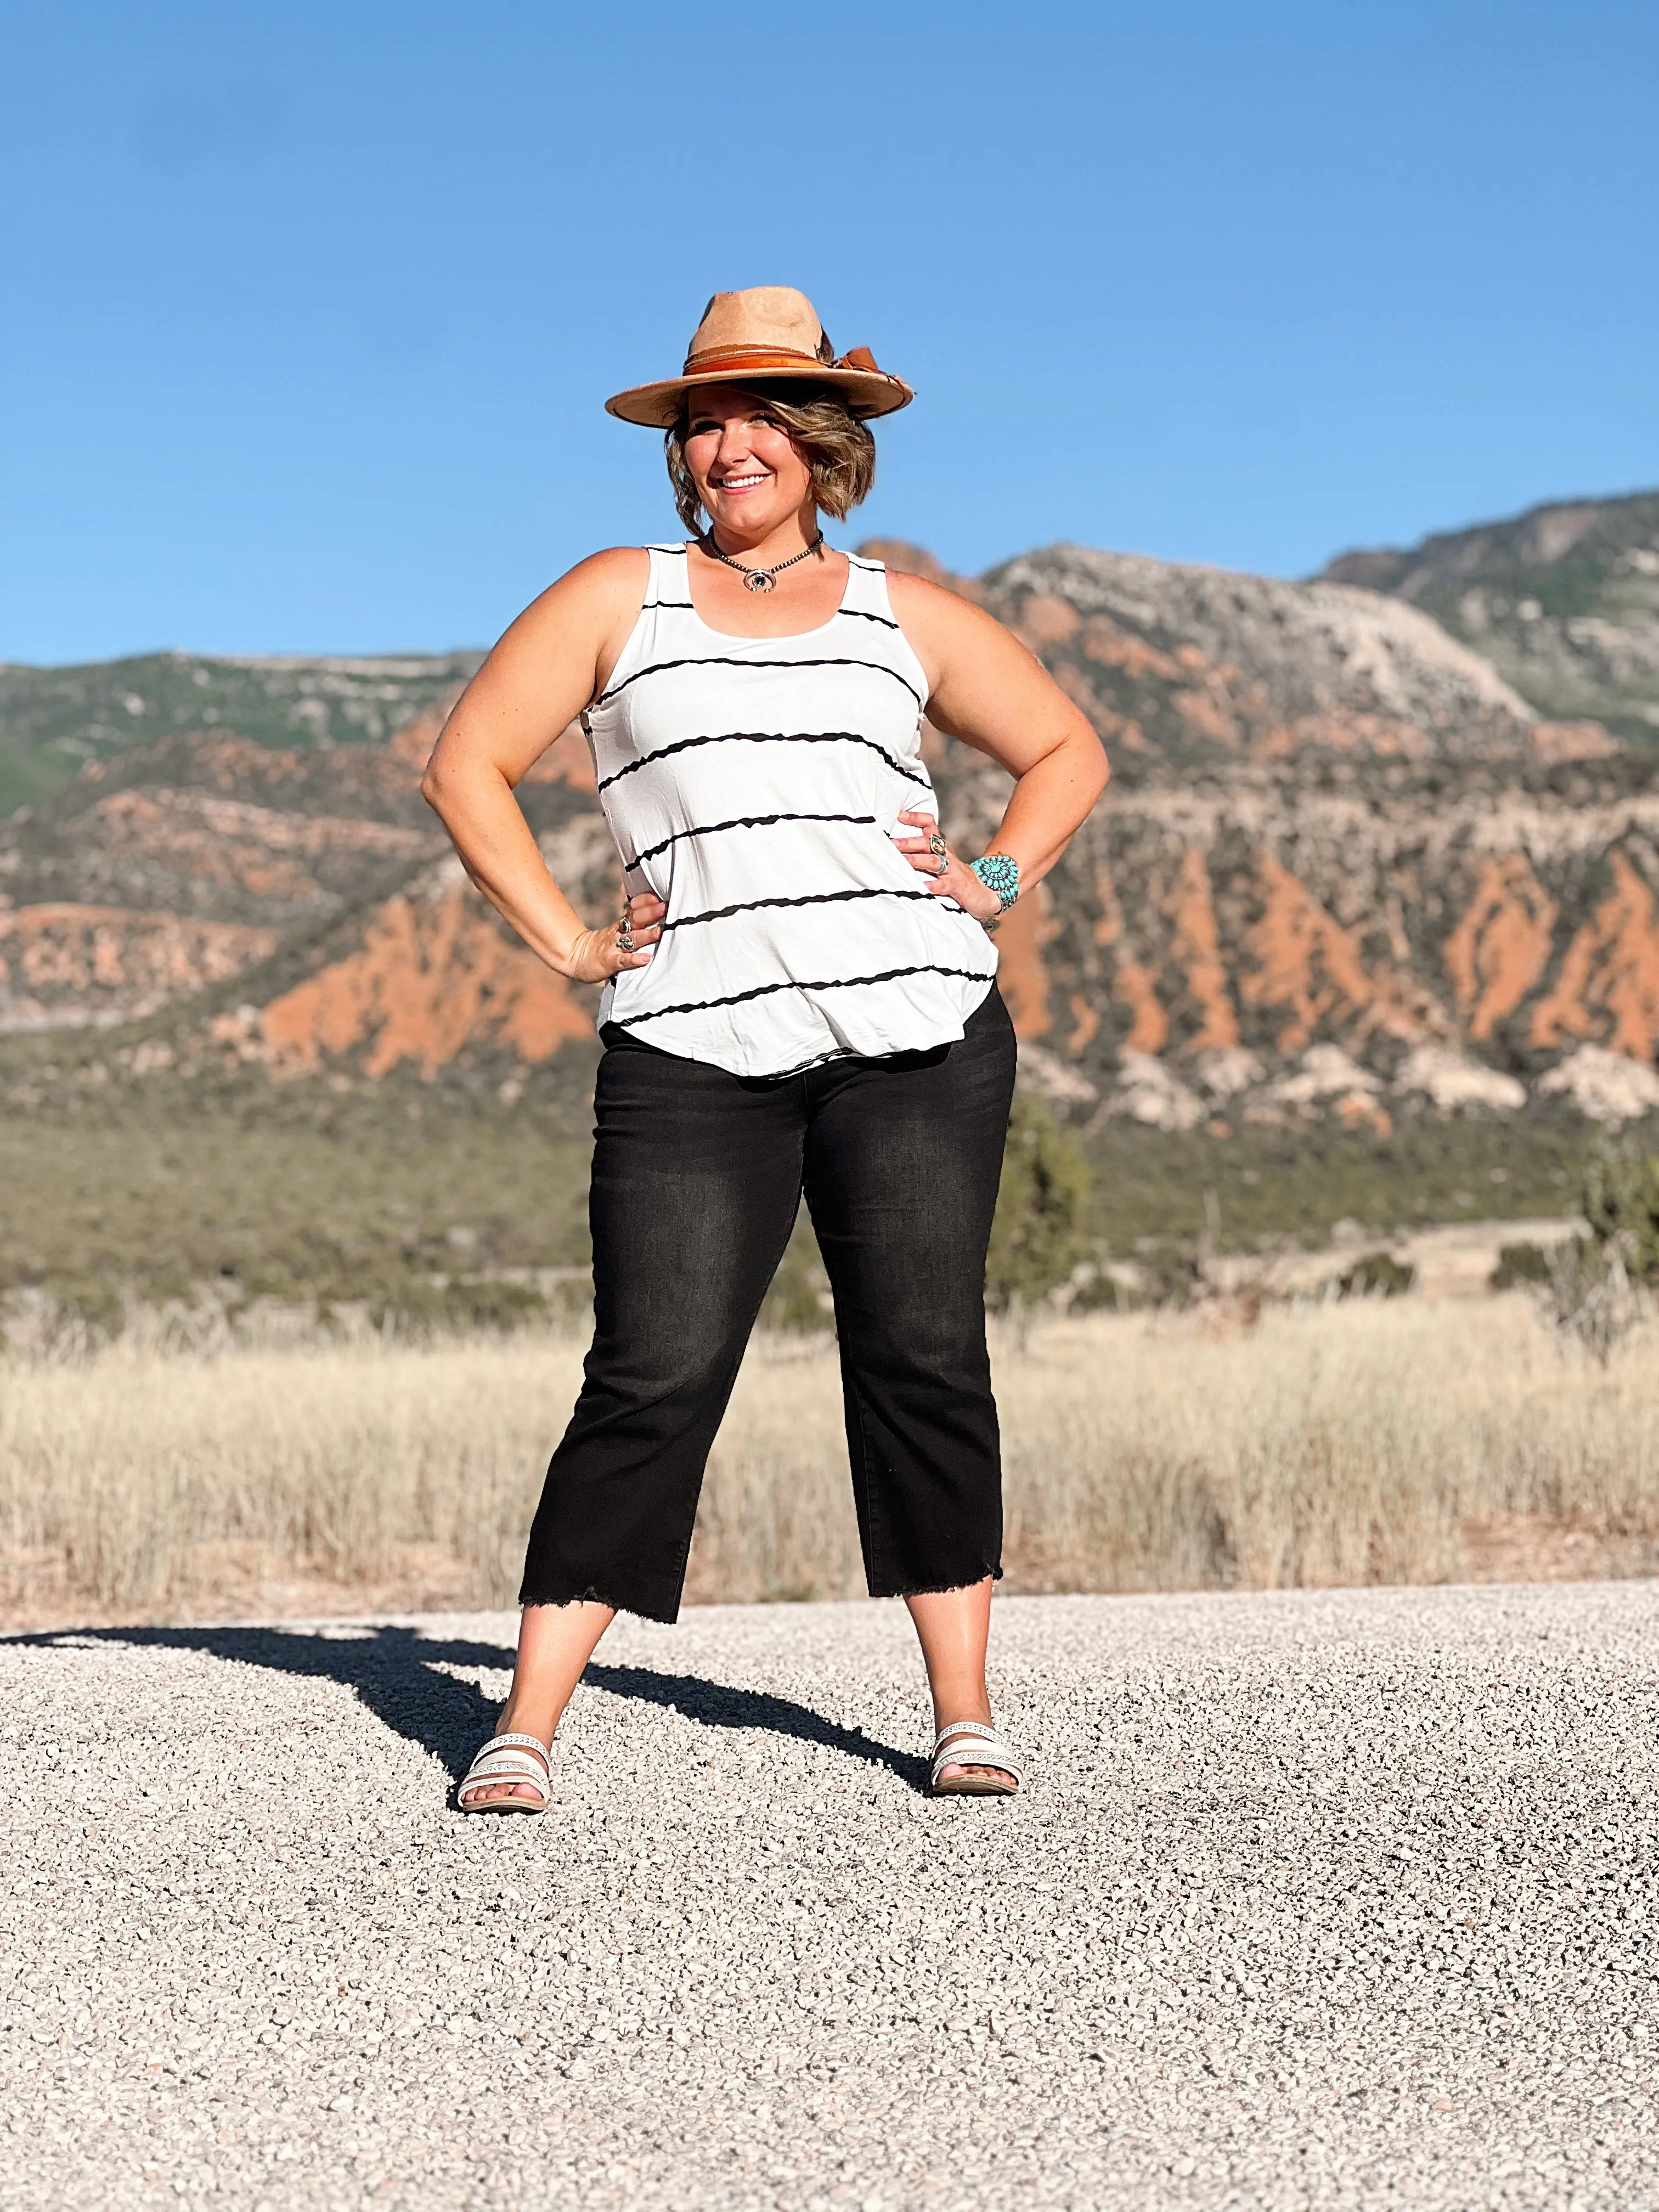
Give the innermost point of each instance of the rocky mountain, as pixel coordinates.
(1344, 869)
(54, 720)
(1562, 600)
(1347, 875)
(178, 866)
(1181, 667)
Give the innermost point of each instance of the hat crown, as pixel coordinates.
(770, 332)
(772, 316)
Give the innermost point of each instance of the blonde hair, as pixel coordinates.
(839, 450)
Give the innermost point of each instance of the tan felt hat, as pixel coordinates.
(770, 331)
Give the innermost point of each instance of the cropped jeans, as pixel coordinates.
(698, 1177)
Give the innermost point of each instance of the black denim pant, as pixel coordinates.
(697, 1177)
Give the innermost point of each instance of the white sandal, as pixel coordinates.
(971, 1743)
(508, 1759)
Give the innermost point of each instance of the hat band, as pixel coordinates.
(748, 356)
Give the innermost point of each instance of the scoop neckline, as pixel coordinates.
(785, 637)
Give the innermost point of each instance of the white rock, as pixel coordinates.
(1450, 1079)
(1230, 1069)
(1326, 1072)
(1147, 1091)
(1313, 645)
(1606, 1087)
(1048, 1074)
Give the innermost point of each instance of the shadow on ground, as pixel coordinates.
(402, 1677)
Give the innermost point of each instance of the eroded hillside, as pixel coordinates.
(1345, 874)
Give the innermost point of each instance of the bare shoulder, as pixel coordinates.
(615, 564)
(915, 599)
(946, 631)
(580, 622)
(984, 684)
(603, 586)
(552, 660)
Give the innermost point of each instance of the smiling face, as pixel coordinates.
(748, 474)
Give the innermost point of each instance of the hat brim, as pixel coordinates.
(657, 406)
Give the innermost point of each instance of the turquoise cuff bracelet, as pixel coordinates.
(999, 875)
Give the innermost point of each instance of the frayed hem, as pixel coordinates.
(942, 1590)
(591, 1596)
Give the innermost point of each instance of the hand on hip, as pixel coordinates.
(600, 954)
(947, 876)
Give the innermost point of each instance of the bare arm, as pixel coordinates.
(547, 667)
(987, 689)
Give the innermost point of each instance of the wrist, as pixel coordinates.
(563, 955)
(1000, 873)
(982, 903)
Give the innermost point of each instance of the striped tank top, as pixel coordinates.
(754, 785)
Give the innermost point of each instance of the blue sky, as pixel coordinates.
(309, 310)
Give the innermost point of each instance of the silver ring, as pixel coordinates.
(937, 846)
(625, 933)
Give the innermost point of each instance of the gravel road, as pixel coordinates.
(1322, 1899)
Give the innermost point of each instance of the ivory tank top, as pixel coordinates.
(753, 784)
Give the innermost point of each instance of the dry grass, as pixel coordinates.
(1364, 1442)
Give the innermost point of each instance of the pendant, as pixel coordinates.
(756, 579)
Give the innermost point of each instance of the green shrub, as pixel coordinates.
(1038, 1236)
(1520, 1266)
(799, 1298)
(1375, 1275)
(1621, 1204)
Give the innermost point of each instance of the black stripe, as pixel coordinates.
(765, 738)
(684, 604)
(805, 898)
(858, 613)
(724, 660)
(743, 822)
(835, 983)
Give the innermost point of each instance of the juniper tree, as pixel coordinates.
(1038, 1236)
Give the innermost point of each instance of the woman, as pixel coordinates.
(799, 998)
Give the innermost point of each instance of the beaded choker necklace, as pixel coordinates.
(758, 579)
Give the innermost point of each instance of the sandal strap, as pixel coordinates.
(506, 1762)
(971, 1743)
(511, 1757)
(529, 1742)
